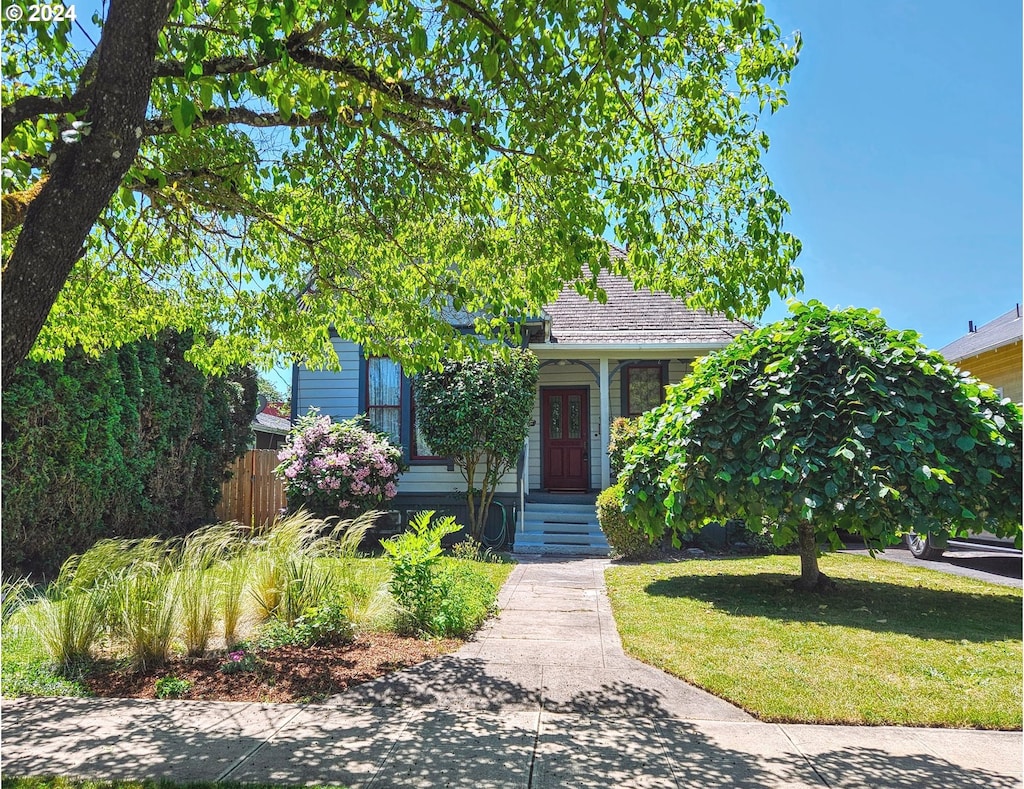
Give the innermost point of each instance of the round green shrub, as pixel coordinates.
(626, 541)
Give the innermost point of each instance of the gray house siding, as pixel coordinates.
(336, 394)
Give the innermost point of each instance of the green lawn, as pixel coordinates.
(895, 645)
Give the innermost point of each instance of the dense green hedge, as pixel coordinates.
(131, 444)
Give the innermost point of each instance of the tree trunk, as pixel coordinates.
(811, 578)
(84, 176)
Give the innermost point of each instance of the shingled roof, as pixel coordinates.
(632, 316)
(1004, 330)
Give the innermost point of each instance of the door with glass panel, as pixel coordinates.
(565, 461)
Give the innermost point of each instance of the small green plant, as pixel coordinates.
(363, 589)
(466, 598)
(239, 662)
(626, 540)
(326, 624)
(414, 555)
(172, 687)
(469, 549)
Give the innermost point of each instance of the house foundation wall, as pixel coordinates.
(499, 531)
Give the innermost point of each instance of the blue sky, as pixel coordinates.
(900, 155)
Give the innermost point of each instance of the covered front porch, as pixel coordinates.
(564, 464)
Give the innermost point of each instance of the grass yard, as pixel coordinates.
(896, 644)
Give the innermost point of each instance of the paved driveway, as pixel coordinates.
(984, 565)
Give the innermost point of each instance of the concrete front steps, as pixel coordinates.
(559, 528)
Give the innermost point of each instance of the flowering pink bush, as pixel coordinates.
(338, 468)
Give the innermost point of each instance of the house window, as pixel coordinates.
(420, 448)
(384, 397)
(645, 388)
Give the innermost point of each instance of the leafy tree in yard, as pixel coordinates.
(478, 414)
(277, 168)
(828, 420)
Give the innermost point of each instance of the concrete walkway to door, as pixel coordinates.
(543, 697)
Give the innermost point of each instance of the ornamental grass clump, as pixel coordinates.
(302, 561)
(338, 468)
(67, 627)
(14, 596)
(144, 613)
(198, 585)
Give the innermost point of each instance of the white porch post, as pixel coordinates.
(606, 410)
(524, 485)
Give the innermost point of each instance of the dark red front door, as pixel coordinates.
(566, 464)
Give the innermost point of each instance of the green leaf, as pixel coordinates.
(418, 41)
(490, 64)
(865, 431)
(285, 104)
(183, 115)
(966, 443)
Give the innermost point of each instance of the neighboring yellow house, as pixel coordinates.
(992, 353)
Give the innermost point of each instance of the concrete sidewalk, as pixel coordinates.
(544, 697)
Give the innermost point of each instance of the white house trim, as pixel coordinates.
(606, 411)
(653, 349)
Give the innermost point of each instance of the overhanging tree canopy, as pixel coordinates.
(825, 420)
(383, 160)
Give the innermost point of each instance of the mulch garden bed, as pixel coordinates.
(283, 674)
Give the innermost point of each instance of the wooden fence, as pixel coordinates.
(253, 496)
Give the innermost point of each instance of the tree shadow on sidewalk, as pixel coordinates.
(617, 734)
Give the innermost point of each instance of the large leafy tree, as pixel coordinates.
(826, 420)
(478, 414)
(278, 167)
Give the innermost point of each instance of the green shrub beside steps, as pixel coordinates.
(626, 541)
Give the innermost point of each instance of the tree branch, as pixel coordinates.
(397, 89)
(482, 18)
(211, 68)
(240, 115)
(27, 107)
